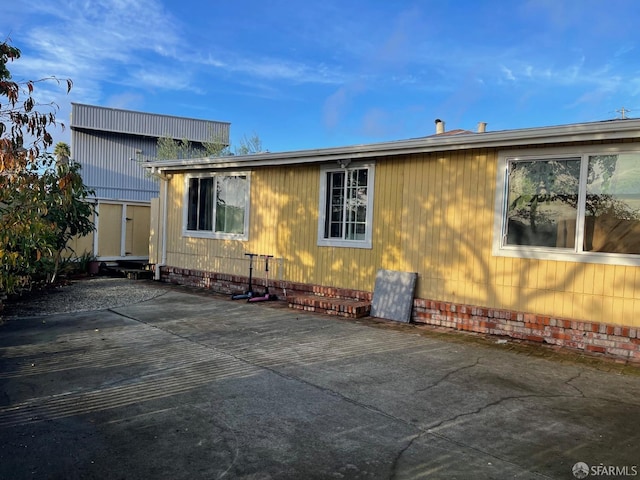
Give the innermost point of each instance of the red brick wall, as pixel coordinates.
(614, 341)
(233, 284)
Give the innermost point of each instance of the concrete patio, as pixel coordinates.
(189, 385)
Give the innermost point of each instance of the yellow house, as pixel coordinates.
(531, 233)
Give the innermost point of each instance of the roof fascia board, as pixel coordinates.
(613, 130)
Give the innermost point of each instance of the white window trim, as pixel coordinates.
(213, 234)
(331, 242)
(577, 254)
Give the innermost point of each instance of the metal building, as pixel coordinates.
(111, 144)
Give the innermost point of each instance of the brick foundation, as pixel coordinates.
(233, 284)
(593, 337)
(620, 342)
(341, 307)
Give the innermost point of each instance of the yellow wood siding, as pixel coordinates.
(433, 214)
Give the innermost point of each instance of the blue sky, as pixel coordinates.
(313, 74)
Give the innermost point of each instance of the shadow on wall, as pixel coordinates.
(446, 223)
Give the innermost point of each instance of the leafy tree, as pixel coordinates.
(62, 152)
(249, 145)
(68, 208)
(24, 232)
(168, 148)
(34, 207)
(22, 120)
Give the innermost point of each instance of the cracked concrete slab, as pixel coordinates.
(190, 385)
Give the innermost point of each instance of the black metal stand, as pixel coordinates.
(249, 293)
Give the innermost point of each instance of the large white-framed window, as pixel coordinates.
(346, 205)
(216, 205)
(577, 204)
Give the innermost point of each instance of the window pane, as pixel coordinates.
(612, 215)
(192, 208)
(362, 177)
(334, 213)
(230, 204)
(542, 202)
(346, 204)
(205, 213)
(356, 206)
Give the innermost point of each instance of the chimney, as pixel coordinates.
(439, 126)
(482, 127)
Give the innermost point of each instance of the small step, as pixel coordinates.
(342, 307)
(135, 273)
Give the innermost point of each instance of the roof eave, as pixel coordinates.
(597, 131)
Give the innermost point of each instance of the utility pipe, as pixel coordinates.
(163, 226)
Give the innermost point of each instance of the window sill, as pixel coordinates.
(345, 243)
(567, 255)
(214, 236)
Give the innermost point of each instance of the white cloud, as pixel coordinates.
(582, 74)
(127, 42)
(90, 41)
(508, 73)
(623, 50)
(127, 100)
(276, 69)
(166, 80)
(335, 106)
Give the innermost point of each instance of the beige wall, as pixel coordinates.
(138, 223)
(79, 246)
(433, 214)
(110, 229)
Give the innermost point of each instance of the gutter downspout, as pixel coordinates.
(163, 226)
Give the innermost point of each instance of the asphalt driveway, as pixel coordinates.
(194, 386)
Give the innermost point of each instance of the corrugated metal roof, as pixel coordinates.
(92, 117)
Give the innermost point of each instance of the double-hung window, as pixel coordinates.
(569, 205)
(217, 206)
(346, 206)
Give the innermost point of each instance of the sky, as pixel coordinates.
(307, 74)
